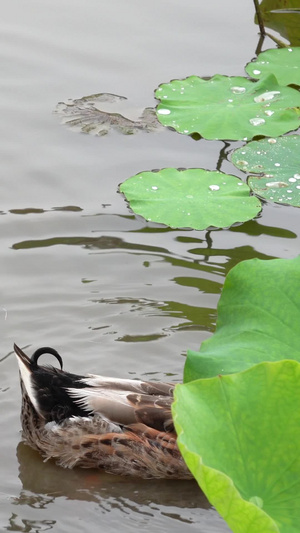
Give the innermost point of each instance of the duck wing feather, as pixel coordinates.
(127, 402)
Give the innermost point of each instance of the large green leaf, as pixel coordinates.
(240, 436)
(258, 317)
(277, 161)
(193, 198)
(284, 63)
(228, 108)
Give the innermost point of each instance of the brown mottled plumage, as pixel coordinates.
(121, 425)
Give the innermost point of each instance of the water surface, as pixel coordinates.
(113, 294)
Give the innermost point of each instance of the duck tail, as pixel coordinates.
(22, 357)
(29, 370)
(47, 387)
(26, 367)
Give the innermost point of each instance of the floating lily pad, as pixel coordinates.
(282, 16)
(193, 198)
(284, 63)
(278, 163)
(240, 437)
(98, 113)
(228, 108)
(257, 316)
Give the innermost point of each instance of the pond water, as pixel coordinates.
(113, 294)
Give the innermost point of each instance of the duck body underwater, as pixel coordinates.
(123, 426)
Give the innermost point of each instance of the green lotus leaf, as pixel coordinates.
(258, 313)
(228, 107)
(240, 436)
(283, 63)
(277, 161)
(282, 16)
(193, 198)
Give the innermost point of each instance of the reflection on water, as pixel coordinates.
(204, 266)
(52, 481)
(28, 526)
(253, 227)
(104, 242)
(32, 211)
(45, 484)
(206, 261)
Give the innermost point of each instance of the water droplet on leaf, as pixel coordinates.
(163, 111)
(276, 184)
(238, 90)
(264, 97)
(257, 121)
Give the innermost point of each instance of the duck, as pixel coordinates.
(122, 426)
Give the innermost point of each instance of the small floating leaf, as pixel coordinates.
(283, 63)
(228, 108)
(277, 161)
(240, 436)
(193, 198)
(88, 115)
